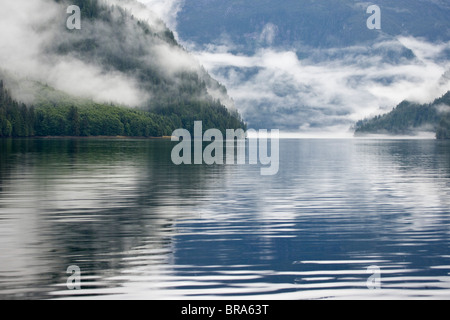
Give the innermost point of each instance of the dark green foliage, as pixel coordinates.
(112, 39)
(92, 119)
(75, 117)
(73, 120)
(443, 130)
(16, 120)
(407, 118)
(89, 8)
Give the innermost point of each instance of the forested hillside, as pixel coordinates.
(16, 120)
(409, 118)
(114, 39)
(174, 90)
(443, 130)
(75, 117)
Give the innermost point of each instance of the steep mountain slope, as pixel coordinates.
(115, 58)
(114, 39)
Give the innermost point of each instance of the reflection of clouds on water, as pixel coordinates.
(79, 202)
(358, 197)
(410, 177)
(139, 227)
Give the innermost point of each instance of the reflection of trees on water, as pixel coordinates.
(110, 206)
(92, 201)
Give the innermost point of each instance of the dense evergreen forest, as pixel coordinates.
(16, 120)
(443, 130)
(408, 118)
(74, 117)
(113, 40)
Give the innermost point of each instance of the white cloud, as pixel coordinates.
(443, 108)
(142, 12)
(167, 10)
(26, 30)
(173, 60)
(89, 81)
(274, 87)
(268, 34)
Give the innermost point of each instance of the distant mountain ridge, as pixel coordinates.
(324, 23)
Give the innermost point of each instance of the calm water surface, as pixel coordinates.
(140, 227)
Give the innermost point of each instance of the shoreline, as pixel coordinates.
(92, 137)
